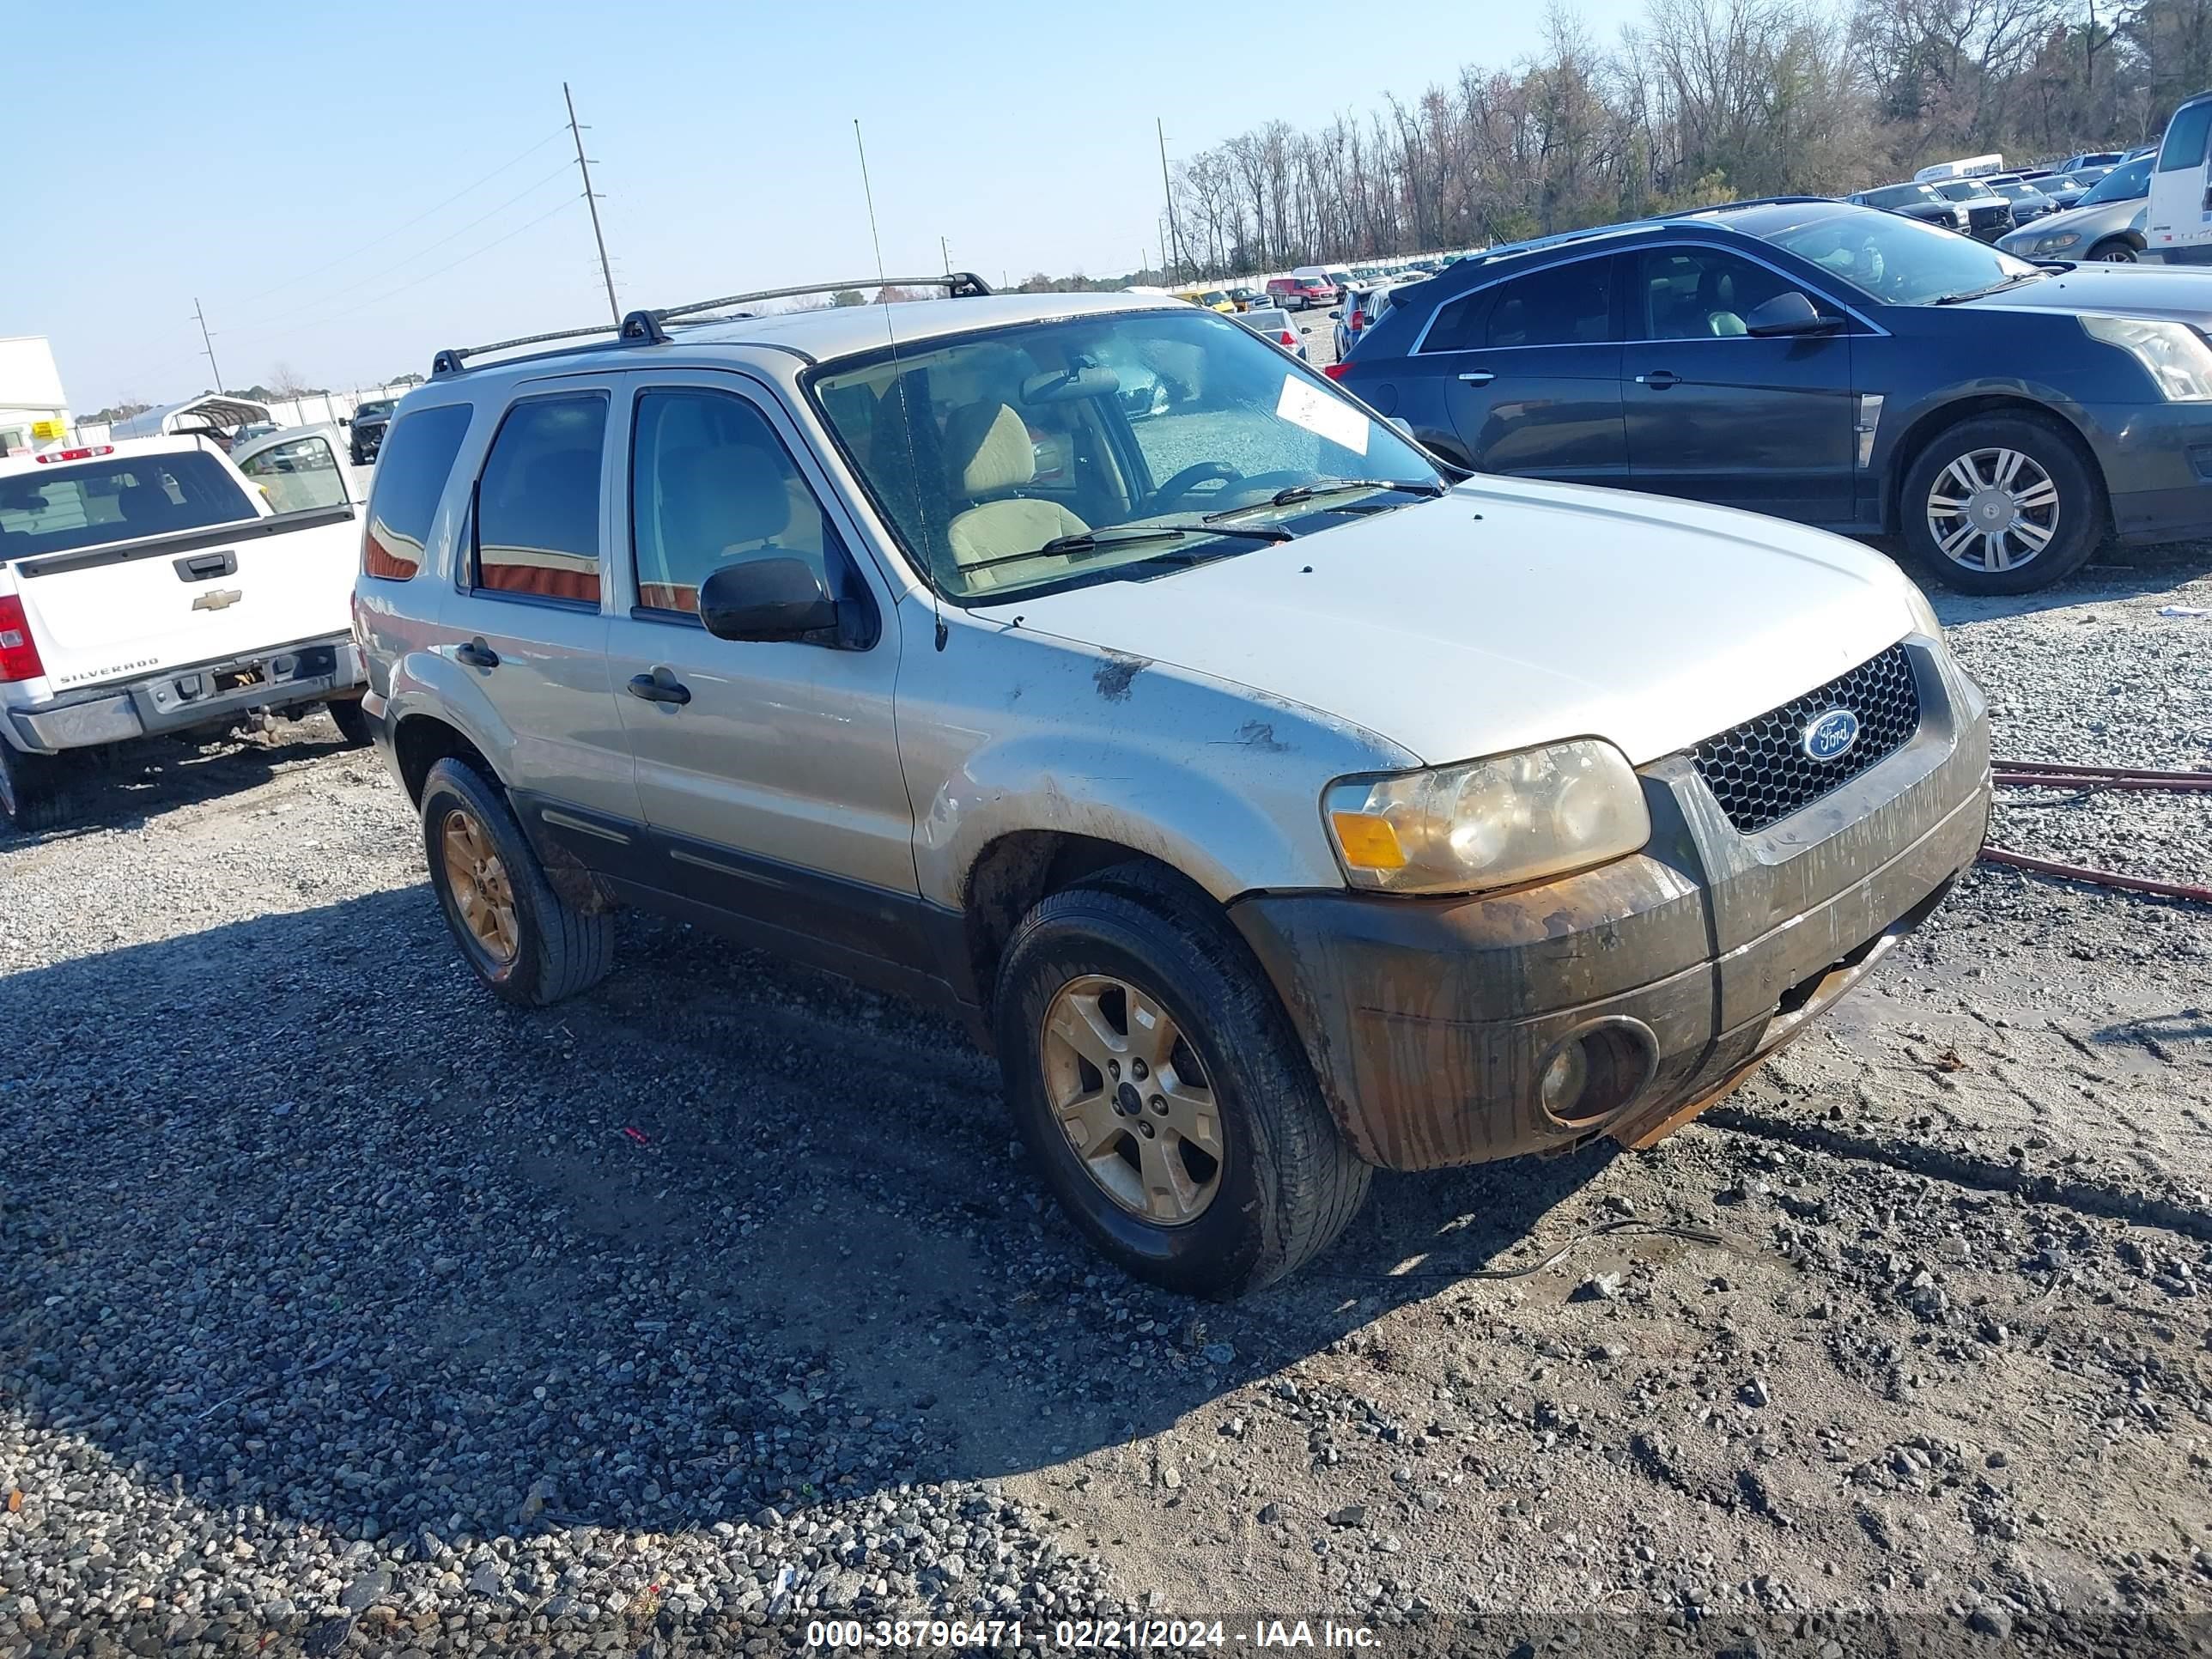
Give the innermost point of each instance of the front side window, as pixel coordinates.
(410, 477)
(117, 499)
(2185, 137)
(1700, 294)
(537, 502)
(1567, 305)
(299, 476)
(711, 484)
(1115, 447)
(1897, 261)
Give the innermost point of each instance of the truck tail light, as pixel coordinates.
(1289, 338)
(19, 655)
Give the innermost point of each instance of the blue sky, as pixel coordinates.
(269, 161)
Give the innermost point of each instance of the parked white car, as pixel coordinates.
(1276, 803)
(158, 585)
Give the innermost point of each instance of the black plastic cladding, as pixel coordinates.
(1760, 773)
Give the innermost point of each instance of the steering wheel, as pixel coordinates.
(1186, 480)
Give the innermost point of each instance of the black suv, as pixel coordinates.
(1825, 362)
(369, 420)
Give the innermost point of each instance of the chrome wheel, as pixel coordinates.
(1133, 1098)
(483, 896)
(2121, 254)
(1992, 509)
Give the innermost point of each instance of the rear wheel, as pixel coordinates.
(34, 792)
(351, 720)
(523, 941)
(1157, 1082)
(2002, 504)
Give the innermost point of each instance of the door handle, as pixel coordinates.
(659, 686)
(1658, 380)
(475, 654)
(1478, 377)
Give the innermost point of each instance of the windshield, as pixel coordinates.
(1963, 189)
(2123, 184)
(1897, 196)
(1899, 262)
(368, 410)
(55, 510)
(1089, 448)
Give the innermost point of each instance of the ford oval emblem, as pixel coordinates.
(1831, 735)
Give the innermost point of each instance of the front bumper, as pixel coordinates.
(2157, 462)
(1429, 1022)
(185, 699)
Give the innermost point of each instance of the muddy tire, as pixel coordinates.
(351, 720)
(2002, 504)
(1157, 1083)
(522, 938)
(35, 791)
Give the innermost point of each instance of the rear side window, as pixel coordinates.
(297, 476)
(1458, 327)
(1567, 305)
(53, 510)
(537, 502)
(411, 471)
(2184, 137)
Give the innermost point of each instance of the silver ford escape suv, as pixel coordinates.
(1274, 802)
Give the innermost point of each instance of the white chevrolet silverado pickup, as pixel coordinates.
(161, 586)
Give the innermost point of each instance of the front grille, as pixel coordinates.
(1760, 773)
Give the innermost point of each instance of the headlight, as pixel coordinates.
(2174, 354)
(1488, 823)
(2064, 239)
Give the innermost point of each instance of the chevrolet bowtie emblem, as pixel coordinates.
(221, 599)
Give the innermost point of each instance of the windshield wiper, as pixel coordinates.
(1090, 541)
(1994, 288)
(1293, 494)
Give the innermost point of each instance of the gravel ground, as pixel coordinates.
(347, 1310)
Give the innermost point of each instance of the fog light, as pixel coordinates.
(1596, 1071)
(1564, 1079)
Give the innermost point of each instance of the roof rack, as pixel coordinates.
(646, 328)
(1748, 202)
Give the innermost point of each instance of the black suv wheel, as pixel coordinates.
(2002, 504)
(34, 793)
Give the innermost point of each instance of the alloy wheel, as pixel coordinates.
(2118, 256)
(1992, 509)
(483, 894)
(1134, 1099)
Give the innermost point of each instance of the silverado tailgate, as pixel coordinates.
(132, 608)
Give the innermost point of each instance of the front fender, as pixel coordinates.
(1216, 780)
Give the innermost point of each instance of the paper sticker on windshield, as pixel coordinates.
(1305, 405)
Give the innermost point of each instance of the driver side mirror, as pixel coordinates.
(1790, 313)
(771, 599)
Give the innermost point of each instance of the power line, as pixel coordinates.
(388, 236)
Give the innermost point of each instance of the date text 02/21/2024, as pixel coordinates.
(1092, 1635)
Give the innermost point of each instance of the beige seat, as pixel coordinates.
(990, 452)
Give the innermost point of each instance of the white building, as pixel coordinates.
(33, 409)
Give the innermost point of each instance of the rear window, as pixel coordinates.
(59, 509)
(410, 475)
(2184, 137)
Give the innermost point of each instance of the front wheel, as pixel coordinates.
(525, 942)
(1157, 1083)
(2115, 252)
(2002, 504)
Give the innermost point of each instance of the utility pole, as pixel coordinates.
(1167, 191)
(591, 202)
(945, 249)
(207, 343)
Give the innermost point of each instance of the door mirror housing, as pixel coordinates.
(1788, 313)
(1338, 314)
(345, 420)
(774, 598)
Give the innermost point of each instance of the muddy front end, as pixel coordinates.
(1622, 1001)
